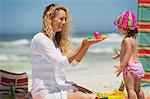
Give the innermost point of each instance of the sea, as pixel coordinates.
(15, 47)
(15, 51)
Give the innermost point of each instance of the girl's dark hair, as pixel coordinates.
(132, 32)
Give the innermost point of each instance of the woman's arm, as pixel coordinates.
(127, 54)
(79, 52)
(47, 50)
(71, 55)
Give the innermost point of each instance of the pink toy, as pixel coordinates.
(96, 35)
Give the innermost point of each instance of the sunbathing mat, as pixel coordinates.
(144, 38)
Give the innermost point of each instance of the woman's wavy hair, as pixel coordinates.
(62, 38)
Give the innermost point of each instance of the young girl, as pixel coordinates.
(129, 64)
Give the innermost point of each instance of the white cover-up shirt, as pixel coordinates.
(48, 66)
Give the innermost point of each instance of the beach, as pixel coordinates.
(99, 78)
(95, 71)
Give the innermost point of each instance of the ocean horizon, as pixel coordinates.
(17, 36)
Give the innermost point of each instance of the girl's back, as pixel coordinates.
(134, 49)
(133, 41)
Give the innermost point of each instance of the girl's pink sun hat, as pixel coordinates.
(126, 20)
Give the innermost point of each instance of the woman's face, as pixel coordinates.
(59, 21)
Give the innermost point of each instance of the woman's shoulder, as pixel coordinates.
(40, 36)
(41, 39)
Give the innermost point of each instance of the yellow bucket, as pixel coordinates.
(116, 94)
(116, 97)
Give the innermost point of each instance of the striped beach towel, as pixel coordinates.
(9, 82)
(144, 38)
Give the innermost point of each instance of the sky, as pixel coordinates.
(24, 16)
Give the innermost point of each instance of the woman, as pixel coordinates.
(49, 57)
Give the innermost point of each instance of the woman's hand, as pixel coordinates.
(82, 89)
(119, 69)
(87, 42)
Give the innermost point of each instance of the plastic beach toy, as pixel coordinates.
(90, 37)
(115, 94)
(97, 35)
(103, 35)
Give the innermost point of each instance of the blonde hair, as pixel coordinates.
(63, 37)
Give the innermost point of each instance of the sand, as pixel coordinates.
(98, 77)
(94, 76)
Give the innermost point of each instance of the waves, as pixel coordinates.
(13, 57)
(107, 46)
(111, 38)
(101, 50)
(15, 43)
(3, 57)
(19, 49)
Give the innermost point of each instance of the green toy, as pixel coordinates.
(12, 91)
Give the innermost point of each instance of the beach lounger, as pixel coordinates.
(13, 85)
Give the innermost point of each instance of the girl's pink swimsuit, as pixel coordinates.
(136, 68)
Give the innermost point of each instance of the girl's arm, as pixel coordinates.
(78, 53)
(127, 54)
